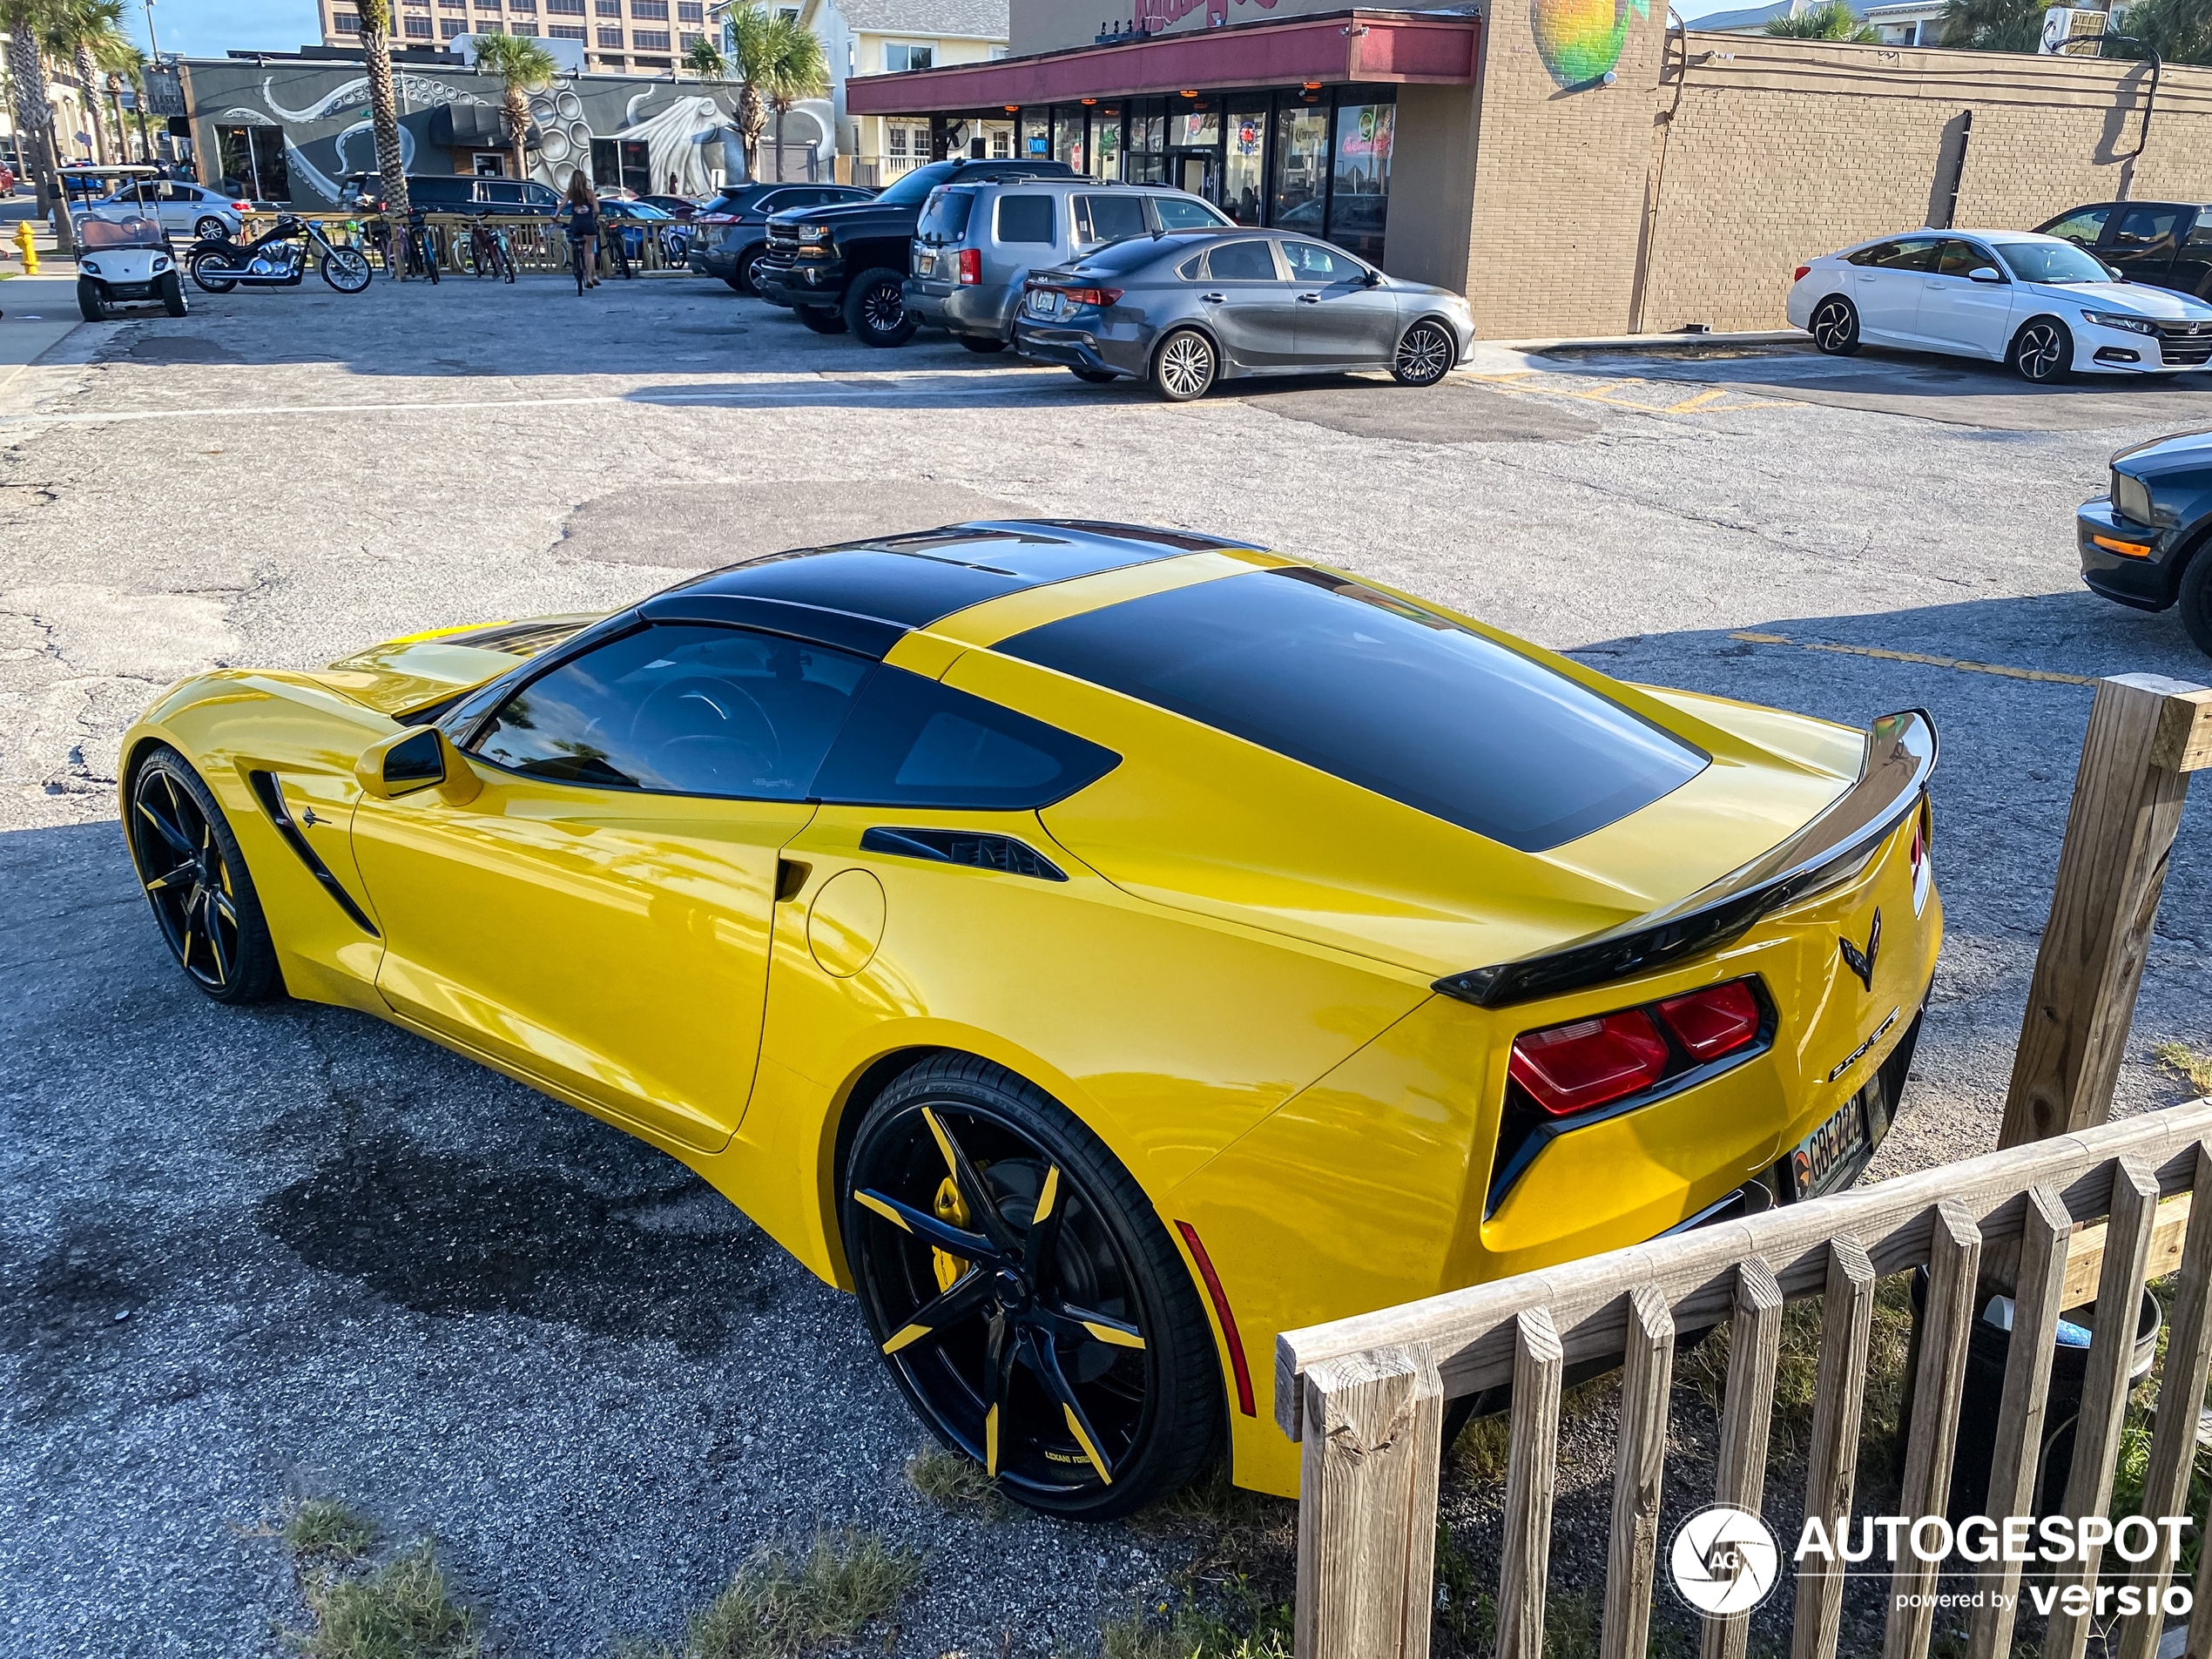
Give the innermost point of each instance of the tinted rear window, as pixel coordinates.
(1124, 257)
(1382, 693)
(1109, 218)
(946, 218)
(1025, 219)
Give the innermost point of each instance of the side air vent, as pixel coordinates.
(963, 847)
(271, 800)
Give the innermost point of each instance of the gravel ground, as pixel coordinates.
(250, 1257)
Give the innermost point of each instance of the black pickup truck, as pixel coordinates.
(845, 267)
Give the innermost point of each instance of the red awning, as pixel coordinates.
(1391, 46)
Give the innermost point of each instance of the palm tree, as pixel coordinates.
(1994, 25)
(705, 60)
(383, 109)
(779, 61)
(1831, 20)
(523, 67)
(79, 34)
(2178, 31)
(26, 21)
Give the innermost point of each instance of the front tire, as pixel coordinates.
(2195, 600)
(346, 269)
(1184, 367)
(1835, 326)
(1425, 356)
(875, 309)
(172, 294)
(2042, 351)
(820, 321)
(90, 304)
(1059, 1342)
(196, 880)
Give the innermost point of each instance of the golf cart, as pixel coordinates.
(125, 261)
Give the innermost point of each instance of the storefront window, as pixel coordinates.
(1068, 136)
(1301, 152)
(1145, 164)
(1037, 132)
(1106, 141)
(1359, 202)
(1242, 182)
(1194, 127)
(1000, 137)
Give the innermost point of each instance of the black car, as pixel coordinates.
(2149, 543)
(2167, 245)
(846, 267)
(452, 192)
(733, 227)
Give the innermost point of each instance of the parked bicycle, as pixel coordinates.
(486, 253)
(421, 246)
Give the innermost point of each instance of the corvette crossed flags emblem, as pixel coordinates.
(1861, 963)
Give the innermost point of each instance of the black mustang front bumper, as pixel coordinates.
(2130, 564)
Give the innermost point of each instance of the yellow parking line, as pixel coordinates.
(1699, 404)
(1918, 657)
(1698, 401)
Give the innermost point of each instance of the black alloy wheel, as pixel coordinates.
(196, 880)
(346, 269)
(2195, 600)
(875, 309)
(747, 279)
(2043, 351)
(822, 322)
(1184, 365)
(1425, 356)
(1835, 325)
(210, 228)
(1025, 1294)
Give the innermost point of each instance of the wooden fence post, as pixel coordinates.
(1747, 1418)
(1532, 1469)
(2146, 735)
(1954, 1263)
(1367, 1519)
(1839, 1402)
(1647, 1374)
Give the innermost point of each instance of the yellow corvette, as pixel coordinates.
(1099, 948)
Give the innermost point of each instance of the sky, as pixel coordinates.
(210, 28)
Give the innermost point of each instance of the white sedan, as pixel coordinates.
(2044, 305)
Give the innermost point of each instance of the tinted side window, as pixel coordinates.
(912, 742)
(1025, 219)
(2083, 227)
(1311, 262)
(1109, 218)
(1959, 258)
(2147, 227)
(683, 710)
(1382, 693)
(1186, 213)
(1916, 254)
(2202, 236)
(1241, 262)
(1870, 255)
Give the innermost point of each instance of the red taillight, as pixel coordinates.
(1099, 297)
(1802, 269)
(1923, 834)
(1714, 1021)
(1572, 1068)
(971, 266)
(242, 207)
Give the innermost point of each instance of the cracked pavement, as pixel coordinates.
(248, 1256)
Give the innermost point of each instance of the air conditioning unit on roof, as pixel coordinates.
(2071, 31)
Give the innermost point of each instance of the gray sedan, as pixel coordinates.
(1185, 310)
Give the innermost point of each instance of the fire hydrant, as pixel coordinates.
(29, 249)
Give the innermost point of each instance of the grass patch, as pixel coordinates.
(1483, 1450)
(403, 1609)
(2192, 1063)
(326, 1529)
(956, 1483)
(1249, 1627)
(782, 1604)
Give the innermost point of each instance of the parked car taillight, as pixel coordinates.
(1800, 277)
(1570, 1069)
(1091, 296)
(971, 267)
(1716, 1021)
(242, 207)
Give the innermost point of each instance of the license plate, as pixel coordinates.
(1832, 1155)
(924, 264)
(1045, 304)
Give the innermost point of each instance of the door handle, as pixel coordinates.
(1215, 299)
(1309, 299)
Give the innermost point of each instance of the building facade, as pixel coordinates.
(649, 37)
(1571, 171)
(861, 37)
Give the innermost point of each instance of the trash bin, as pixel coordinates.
(1988, 1344)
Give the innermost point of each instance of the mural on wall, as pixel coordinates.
(1581, 40)
(673, 134)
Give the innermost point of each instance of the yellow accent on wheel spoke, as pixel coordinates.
(991, 1442)
(912, 1333)
(944, 1141)
(1119, 1338)
(884, 1210)
(1050, 1196)
(1075, 1427)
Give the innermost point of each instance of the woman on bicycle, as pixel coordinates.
(583, 223)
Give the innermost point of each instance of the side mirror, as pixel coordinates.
(415, 759)
(1372, 279)
(1985, 273)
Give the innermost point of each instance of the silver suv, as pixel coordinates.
(975, 244)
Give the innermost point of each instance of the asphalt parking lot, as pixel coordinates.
(245, 1256)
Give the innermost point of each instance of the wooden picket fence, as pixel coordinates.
(2068, 1204)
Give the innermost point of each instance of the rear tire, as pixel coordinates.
(196, 880)
(748, 278)
(875, 309)
(209, 229)
(1152, 1404)
(820, 321)
(204, 269)
(2042, 352)
(1835, 326)
(2195, 600)
(90, 304)
(172, 294)
(1184, 367)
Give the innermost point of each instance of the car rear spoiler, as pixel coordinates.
(1900, 754)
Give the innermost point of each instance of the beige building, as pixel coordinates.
(1570, 173)
(864, 37)
(617, 36)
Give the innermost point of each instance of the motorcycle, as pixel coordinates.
(276, 258)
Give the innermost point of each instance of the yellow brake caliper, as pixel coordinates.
(949, 1208)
